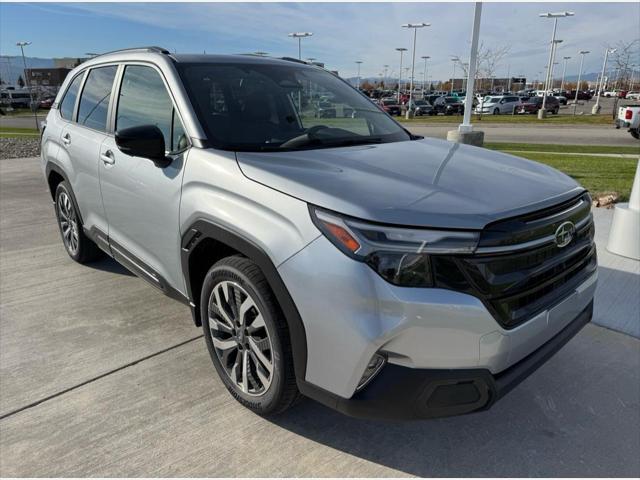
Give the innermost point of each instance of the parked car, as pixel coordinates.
(582, 95)
(629, 118)
(634, 95)
(384, 274)
(390, 105)
(535, 104)
(46, 103)
(422, 107)
(562, 100)
(448, 106)
(497, 105)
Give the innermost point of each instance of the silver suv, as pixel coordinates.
(324, 250)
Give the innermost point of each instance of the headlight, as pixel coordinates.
(399, 255)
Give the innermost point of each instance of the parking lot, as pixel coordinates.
(103, 376)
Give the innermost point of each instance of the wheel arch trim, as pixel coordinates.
(205, 229)
(53, 167)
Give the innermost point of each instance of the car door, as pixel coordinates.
(142, 199)
(80, 141)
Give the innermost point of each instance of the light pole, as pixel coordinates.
(596, 108)
(455, 60)
(542, 113)
(575, 100)
(401, 50)
(424, 75)
(359, 62)
(465, 133)
(415, 27)
(553, 64)
(300, 36)
(24, 63)
(564, 70)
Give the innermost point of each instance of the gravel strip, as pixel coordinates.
(17, 147)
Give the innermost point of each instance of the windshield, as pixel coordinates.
(265, 107)
(452, 100)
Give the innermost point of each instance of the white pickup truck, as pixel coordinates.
(629, 118)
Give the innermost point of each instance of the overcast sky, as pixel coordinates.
(343, 32)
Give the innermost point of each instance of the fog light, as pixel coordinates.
(375, 365)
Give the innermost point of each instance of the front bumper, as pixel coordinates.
(350, 313)
(402, 393)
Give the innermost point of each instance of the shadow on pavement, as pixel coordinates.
(576, 416)
(108, 264)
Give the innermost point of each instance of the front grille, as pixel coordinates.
(518, 270)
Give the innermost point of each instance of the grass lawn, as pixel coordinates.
(604, 119)
(15, 132)
(534, 147)
(597, 174)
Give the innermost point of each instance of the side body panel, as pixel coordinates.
(142, 203)
(214, 189)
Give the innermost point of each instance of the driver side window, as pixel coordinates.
(144, 100)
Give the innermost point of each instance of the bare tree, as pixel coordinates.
(626, 55)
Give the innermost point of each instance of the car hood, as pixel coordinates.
(415, 183)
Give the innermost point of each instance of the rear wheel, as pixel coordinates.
(247, 336)
(635, 133)
(79, 247)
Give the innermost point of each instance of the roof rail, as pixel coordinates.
(291, 59)
(138, 49)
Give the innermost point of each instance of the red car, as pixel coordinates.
(390, 105)
(535, 103)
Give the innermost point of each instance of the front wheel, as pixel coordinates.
(496, 111)
(247, 336)
(635, 133)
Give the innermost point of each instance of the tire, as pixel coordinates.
(79, 247)
(635, 133)
(263, 342)
(496, 111)
(556, 111)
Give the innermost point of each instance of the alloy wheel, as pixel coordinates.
(240, 338)
(68, 223)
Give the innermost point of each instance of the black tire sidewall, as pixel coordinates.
(267, 403)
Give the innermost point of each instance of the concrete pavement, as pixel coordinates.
(103, 376)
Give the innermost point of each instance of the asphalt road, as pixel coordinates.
(103, 376)
(558, 134)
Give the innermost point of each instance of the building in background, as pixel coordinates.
(67, 62)
(46, 77)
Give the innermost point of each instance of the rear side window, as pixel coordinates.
(69, 100)
(144, 100)
(94, 101)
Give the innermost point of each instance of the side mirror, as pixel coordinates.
(146, 141)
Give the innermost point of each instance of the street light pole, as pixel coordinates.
(401, 50)
(542, 112)
(24, 63)
(575, 100)
(359, 62)
(415, 27)
(300, 36)
(453, 78)
(564, 71)
(424, 75)
(596, 108)
(465, 133)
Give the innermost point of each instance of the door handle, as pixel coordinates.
(66, 139)
(107, 158)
